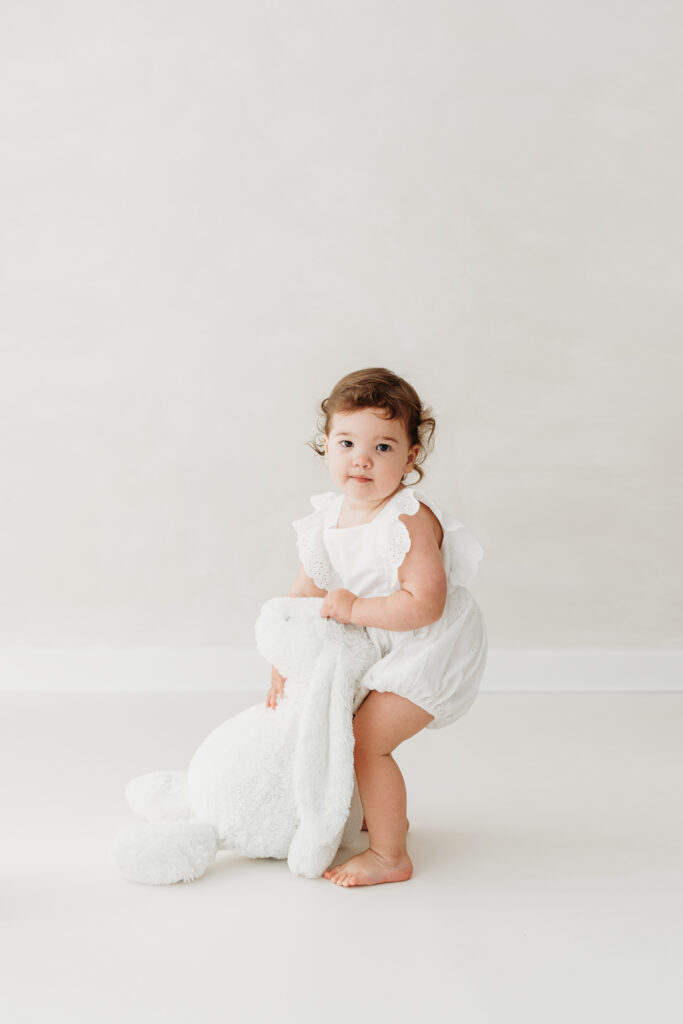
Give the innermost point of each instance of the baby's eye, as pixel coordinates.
(383, 446)
(345, 442)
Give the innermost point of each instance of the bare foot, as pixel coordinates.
(369, 868)
(364, 827)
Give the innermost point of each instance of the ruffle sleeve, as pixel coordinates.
(460, 550)
(309, 540)
(464, 551)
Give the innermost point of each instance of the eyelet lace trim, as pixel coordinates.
(309, 541)
(398, 539)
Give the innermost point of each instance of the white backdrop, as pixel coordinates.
(212, 211)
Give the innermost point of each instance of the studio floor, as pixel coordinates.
(547, 843)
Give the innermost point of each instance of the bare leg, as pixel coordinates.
(382, 722)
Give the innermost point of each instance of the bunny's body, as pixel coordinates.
(267, 782)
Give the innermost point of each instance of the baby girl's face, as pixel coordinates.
(368, 454)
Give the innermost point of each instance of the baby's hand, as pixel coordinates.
(337, 605)
(277, 688)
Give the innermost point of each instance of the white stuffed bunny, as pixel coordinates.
(268, 782)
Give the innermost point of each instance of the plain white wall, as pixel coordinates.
(211, 211)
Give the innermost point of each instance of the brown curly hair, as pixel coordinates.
(378, 388)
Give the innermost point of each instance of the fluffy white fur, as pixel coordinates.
(267, 782)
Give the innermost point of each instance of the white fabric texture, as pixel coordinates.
(438, 667)
(268, 782)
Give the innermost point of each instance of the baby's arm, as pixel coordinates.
(422, 597)
(303, 586)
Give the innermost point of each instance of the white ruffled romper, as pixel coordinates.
(439, 667)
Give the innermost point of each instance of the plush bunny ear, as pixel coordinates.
(269, 628)
(323, 773)
(280, 626)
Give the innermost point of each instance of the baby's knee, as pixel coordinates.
(366, 743)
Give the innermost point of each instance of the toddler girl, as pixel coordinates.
(385, 556)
